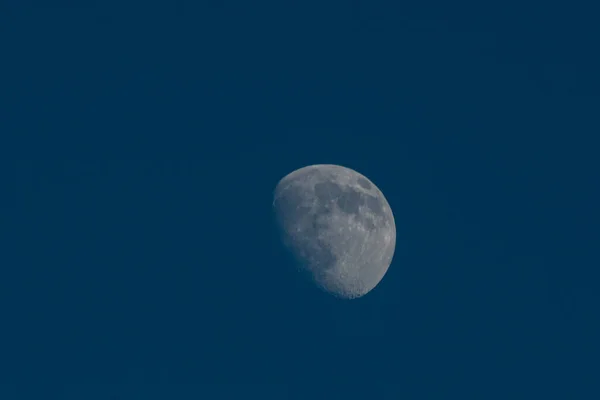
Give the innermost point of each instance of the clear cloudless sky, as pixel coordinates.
(143, 141)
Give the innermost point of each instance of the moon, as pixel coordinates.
(338, 226)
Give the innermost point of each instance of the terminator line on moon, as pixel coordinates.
(338, 226)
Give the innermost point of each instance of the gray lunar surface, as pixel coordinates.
(338, 226)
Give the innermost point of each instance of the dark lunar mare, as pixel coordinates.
(348, 200)
(364, 183)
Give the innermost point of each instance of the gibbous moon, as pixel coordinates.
(338, 226)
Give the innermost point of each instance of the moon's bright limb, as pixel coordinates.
(338, 225)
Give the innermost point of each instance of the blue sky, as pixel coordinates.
(144, 145)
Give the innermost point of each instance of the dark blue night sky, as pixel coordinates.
(139, 254)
